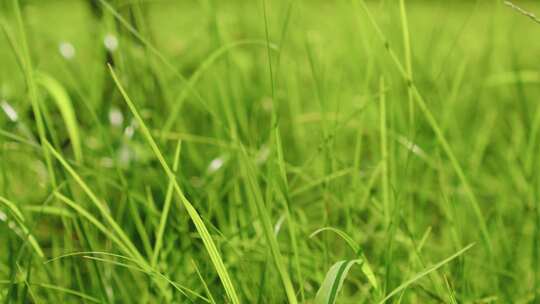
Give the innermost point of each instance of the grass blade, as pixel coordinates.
(366, 268)
(255, 198)
(92, 219)
(19, 218)
(408, 59)
(436, 128)
(205, 65)
(385, 161)
(67, 291)
(328, 292)
(102, 207)
(28, 71)
(64, 104)
(166, 208)
(427, 271)
(211, 248)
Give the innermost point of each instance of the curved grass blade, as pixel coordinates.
(67, 291)
(64, 104)
(427, 271)
(12, 207)
(85, 214)
(19, 218)
(78, 253)
(182, 289)
(208, 242)
(333, 281)
(28, 70)
(136, 267)
(366, 268)
(101, 206)
(354, 246)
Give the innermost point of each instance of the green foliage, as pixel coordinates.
(269, 151)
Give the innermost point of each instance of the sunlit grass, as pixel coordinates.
(269, 152)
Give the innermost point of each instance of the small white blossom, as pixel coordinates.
(9, 110)
(67, 50)
(130, 130)
(215, 164)
(14, 227)
(125, 155)
(115, 117)
(111, 42)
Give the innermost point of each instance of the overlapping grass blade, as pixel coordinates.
(112, 235)
(366, 268)
(166, 208)
(101, 206)
(65, 105)
(435, 127)
(255, 198)
(333, 281)
(19, 219)
(29, 75)
(427, 271)
(192, 212)
(210, 297)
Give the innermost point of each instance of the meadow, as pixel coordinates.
(287, 151)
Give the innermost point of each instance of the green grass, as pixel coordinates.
(281, 151)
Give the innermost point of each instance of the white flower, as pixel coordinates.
(111, 42)
(9, 110)
(125, 155)
(67, 50)
(215, 164)
(115, 117)
(130, 130)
